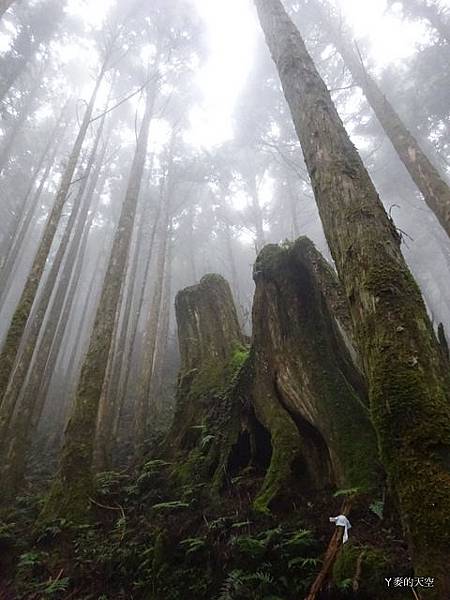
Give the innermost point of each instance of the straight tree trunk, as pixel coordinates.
(18, 124)
(70, 492)
(109, 402)
(232, 265)
(400, 354)
(22, 312)
(29, 203)
(257, 216)
(20, 400)
(71, 291)
(156, 400)
(432, 186)
(28, 41)
(150, 334)
(132, 326)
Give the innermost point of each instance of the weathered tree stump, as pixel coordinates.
(308, 391)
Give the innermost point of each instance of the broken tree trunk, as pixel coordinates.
(308, 392)
(212, 351)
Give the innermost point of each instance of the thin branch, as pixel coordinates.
(138, 91)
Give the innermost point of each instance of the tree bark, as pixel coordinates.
(20, 400)
(29, 204)
(69, 494)
(71, 291)
(156, 393)
(150, 335)
(433, 187)
(400, 354)
(112, 398)
(22, 312)
(132, 325)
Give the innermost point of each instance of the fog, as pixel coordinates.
(178, 104)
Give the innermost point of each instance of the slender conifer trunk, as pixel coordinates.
(23, 310)
(71, 490)
(433, 187)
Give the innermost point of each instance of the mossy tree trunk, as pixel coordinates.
(208, 336)
(434, 189)
(309, 394)
(21, 401)
(23, 310)
(401, 358)
(72, 289)
(71, 490)
(108, 430)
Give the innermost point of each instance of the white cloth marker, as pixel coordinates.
(342, 521)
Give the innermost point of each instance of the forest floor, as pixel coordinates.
(150, 540)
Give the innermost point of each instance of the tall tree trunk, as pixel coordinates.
(150, 333)
(232, 266)
(191, 244)
(257, 216)
(71, 291)
(29, 203)
(400, 354)
(110, 402)
(70, 492)
(18, 124)
(19, 405)
(432, 186)
(22, 312)
(157, 398)
(132, 325)
(49, 14)
(4, 5)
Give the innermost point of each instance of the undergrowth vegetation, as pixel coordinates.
(153, 539)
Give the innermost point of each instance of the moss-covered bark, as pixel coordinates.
(407, 386)
(22, 312)
(308, 391)
(21, 406)
(71, 490)
(211, 347)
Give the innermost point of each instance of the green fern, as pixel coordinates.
(193, 544)
(173, 505)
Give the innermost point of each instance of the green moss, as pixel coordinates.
(286, 447)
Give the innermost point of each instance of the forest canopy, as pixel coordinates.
(224, 299)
